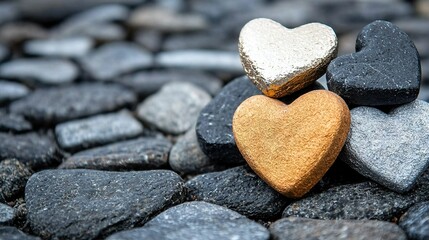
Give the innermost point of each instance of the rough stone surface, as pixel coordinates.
(197, 220)
(238, 189)
(12, 233)
(40, 71)
(11, 91)
(33, 150)
(89, 204)
(142, 153)
(415, 221)
(54, 105)
(387, 148)
(175, 108)
(385, 70)
(7, 215)
(293, 228)
(13, 177)
(65, 47)
(13, 123)
(114, 59)
(97, 130)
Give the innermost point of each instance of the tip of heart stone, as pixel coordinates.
(281, 61)
(291, 146)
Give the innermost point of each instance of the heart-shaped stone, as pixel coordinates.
(389, 148)
(385, 70)
(280, 61)
(291, 146)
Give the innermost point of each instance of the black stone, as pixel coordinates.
(385, 70)
(197, 220)
(14, 123)
(12, 233)
(238, 189)
(13, 177)
(89, 204)
(415, 221)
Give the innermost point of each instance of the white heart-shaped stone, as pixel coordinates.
(281, 61)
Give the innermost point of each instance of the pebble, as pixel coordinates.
(43, 71)
(415, 221)
(10, 122)
(34, 150)
(89, 204)
(238, 189)
(97, 130)
(385, 70)
(13, 177)
(10, 91)
(197, 220)
(4, 52)
(281, 61)
(113, 59)
(205, 40)
(387, 148)
(147, 83)
(15, 33)
(209, 60)
(100, 32)
(149, 39)
(293, 228)
(8, 11)
(12, 233)
(71, 47)
(425, 72)
(187, 157)
(59, 104)
(175, 108)
(142, 153)
(7, 215)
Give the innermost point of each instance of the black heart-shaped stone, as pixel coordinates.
(385, 70)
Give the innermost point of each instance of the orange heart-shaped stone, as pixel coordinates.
(291, 146)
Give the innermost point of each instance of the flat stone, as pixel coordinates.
(59, 104)
(65, 47)
(208, 60)
(387, 148)
(147, 83)
(142, 153)
(365, 200)
(34, 150)
(10, 91)
(40, 71)
(281, 61)
(303, 228)
(238, 189)
(90, 204)
(218, 10)
(14, 33)
(101, 32)
(97, 130)
(149, 39)
(12, 233)
(385, 70)
(13, 177)
(7, 215)
(10, 122)
(415, 221)
(200, 40)
(175, 108)
(114, 59)
(197, 220)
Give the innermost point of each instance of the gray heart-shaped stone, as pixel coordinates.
(389, 148)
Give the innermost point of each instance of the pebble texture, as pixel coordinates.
(13, 123)
(33, 150)
(175, 108)
(12, 233)
(238, 189)
(89, 204)
(197, 220)
(11, 91)
(385, 70)
(98, 130)
(13, 177)
(415, 221)
(59, 104)
(388, 147)
(142, 153)
(65, 47)
(293, 228)
(7, 215)
(281, 61)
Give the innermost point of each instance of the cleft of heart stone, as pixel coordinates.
(291, 146)
(281, 61)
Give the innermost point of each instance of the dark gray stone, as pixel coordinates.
(218, 9)
(13, 177)
(415, 221)
(415, 27)
(4, 51)
(175, 108)
(101, 32)
(7, 215)
(90, 204)
(43, 71)
(33, 150)
(196, 220)
(149, 39)
(425, 71)
(8, 11)
(142, 153)
(238, 189)
(385, 70)
(97, 130)
(61, 47)
(54, 105)
(12, 233)
(293, 228)
(114, 59)
(10, 91)
(147, 83)
(205, 40)
(13, 123)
